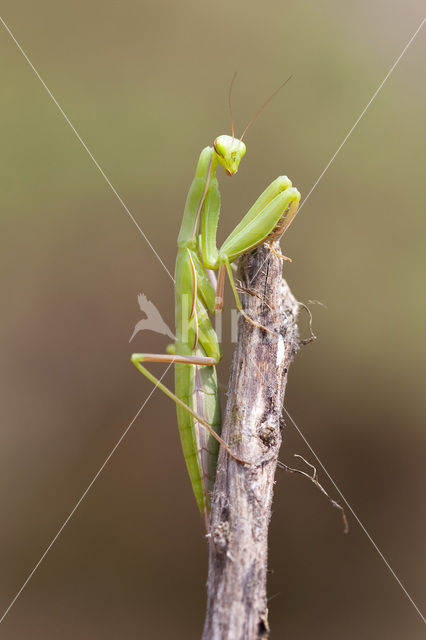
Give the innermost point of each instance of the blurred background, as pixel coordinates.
(145, 84)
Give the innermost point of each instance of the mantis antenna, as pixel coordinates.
(230, 106)
(265, 104)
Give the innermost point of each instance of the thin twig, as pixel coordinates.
(242, 497)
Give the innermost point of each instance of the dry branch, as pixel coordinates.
(242, 497)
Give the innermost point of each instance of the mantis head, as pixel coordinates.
(229, 152)
(229, 149)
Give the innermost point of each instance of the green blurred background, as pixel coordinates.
(145, 85)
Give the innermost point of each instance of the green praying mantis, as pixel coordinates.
(198, 295)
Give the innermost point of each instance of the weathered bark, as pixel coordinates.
(241, 505)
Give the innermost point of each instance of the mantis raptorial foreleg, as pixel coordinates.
(269, 217)
(277, 253)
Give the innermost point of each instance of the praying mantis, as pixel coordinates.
(198, 295)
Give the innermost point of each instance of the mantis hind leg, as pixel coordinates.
(138, 358)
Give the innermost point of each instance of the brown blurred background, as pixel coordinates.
(145, 85)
